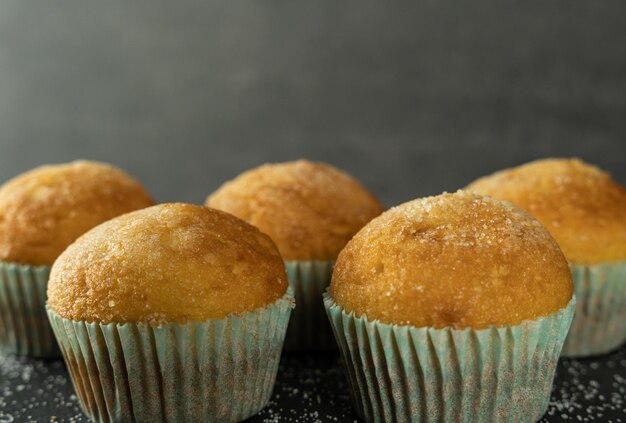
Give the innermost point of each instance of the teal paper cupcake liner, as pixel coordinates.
(24, 326)
(408, 374)
(599, 325)
(220, 370)
(309, 329)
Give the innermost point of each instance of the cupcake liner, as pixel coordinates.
(24, 325)
(219, 370)
(599, 325)
(409, 374)
(309, 329)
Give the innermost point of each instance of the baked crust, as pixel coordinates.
(456, 260)
(311, 210)
(44, 210)
(582, 206)
(167, 263)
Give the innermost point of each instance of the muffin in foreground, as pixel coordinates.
(171, 313)
(585, 210)
(451, 309)
(310, 210)
(41, 212)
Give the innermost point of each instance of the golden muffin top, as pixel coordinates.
(44, 210)
(167, 263)
(582, 206)
(458, 260)
(310, 210)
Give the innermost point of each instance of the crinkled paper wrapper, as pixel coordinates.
(599, 325)
(219, 370)
(408, 374)
(24, 326)
(309, 329)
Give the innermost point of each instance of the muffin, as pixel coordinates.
(451, 308)
(585, 211)
(171, 313)
(41, 212)
(310, 210)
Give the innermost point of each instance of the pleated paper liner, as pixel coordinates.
(219, 370)
(24, 326)
(309, 329)
(408, 374)
(599, 325)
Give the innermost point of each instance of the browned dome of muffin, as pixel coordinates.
(44, 210)
(167, 263)
(311, 210)
(582, 206)
(458, 260)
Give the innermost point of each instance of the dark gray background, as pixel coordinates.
(412, 98)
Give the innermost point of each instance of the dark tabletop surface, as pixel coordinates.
(312, 388)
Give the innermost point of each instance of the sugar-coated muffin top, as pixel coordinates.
(582, 206)
(44, 210)
(311, 210)
(167, 263)
(458, 260)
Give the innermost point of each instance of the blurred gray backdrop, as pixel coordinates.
(412, 98)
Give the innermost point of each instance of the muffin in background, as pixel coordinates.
(451, 308)
(585, 210)
(43, 211)
(171, 313)
(310, 210)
